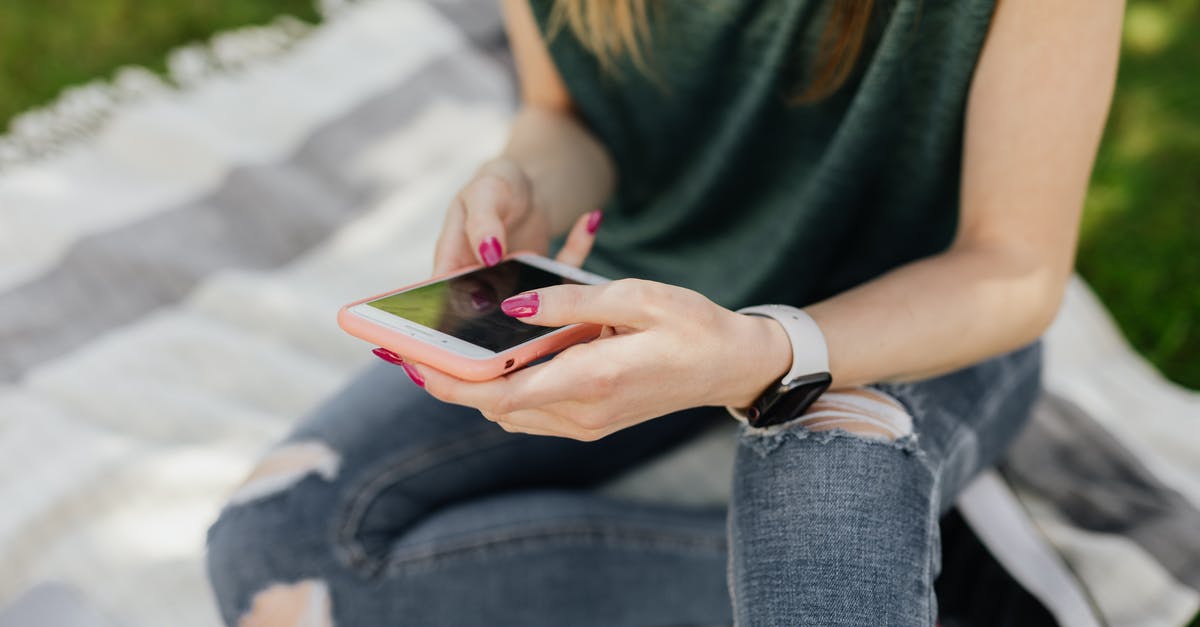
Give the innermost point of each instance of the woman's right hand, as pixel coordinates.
(495, 214)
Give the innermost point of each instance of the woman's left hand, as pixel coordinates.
(663, 349)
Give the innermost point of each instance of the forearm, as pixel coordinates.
(570, 171)
(938, 314)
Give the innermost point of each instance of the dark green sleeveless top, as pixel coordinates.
(727, 188)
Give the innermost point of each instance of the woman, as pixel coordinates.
(911, 174)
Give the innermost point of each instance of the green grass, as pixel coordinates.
(1141, 233)
(1140, 246)
(46, 45)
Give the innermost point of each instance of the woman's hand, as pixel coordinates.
(495, 214)
(664, 348)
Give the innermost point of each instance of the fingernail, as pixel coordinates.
(490, 251)
(521, 305)
(412, 373)
(593, 222)
(388, 356)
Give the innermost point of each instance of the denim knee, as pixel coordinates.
(276, 537)
(833, 463)
(824, 525)
(241, 551)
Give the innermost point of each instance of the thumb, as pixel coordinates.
(580, 239)
(614, 304)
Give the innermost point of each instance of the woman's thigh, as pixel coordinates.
(343, 490)
(964, 421)
(555, 557)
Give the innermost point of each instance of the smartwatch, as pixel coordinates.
(808, 377)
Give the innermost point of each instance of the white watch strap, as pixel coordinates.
(810, 354)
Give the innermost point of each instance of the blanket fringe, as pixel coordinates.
(80, 112)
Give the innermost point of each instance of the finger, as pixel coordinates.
(453, 250)
(564, 378)
(580, 239)
(481, 395)
(488, 200)
(624, 303)
(553, 423)
(496, 396)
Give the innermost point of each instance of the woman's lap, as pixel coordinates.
(414, 508)
(412, 498)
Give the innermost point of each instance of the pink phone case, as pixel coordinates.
(456, 365)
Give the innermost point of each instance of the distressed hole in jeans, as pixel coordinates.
(861, 411)
(285, 466)
(301, 604)
(858, 412)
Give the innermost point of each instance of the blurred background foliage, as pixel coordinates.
(1140, 246)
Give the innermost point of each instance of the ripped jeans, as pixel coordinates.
(387, 507)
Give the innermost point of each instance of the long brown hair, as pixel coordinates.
(612, 28)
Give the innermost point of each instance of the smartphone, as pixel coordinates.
(454, 322)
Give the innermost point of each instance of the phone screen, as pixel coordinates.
(468, 306)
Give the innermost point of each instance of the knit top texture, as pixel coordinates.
(727, 186)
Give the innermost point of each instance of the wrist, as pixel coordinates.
(532, 177)
(522, 185)
(765, 354)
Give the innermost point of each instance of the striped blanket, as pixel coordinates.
(172, 253)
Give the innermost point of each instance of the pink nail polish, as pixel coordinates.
(593, 222)
(388, 356)
(521, 305)
(393, 358)
(490, 251)
(413, 374)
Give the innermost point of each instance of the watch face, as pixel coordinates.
(784, 402)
